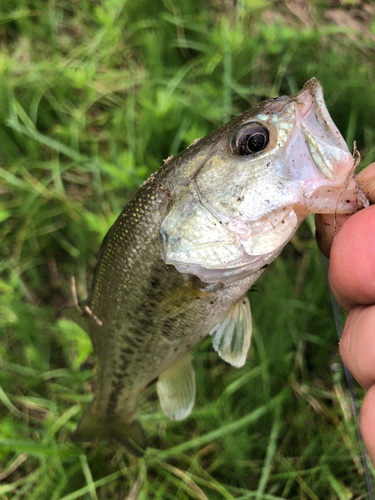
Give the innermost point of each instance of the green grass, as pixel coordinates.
(93, 96)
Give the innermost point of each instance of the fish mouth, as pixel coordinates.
(326, 145)
(331, 187)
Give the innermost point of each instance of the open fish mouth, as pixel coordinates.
(335, 190)
(326, 145)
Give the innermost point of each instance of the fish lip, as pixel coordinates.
(326, 145)
(311, 99)
(334, 198)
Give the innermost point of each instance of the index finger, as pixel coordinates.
(328, 225)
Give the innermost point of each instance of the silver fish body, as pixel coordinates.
(179, 260)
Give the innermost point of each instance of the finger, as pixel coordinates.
(326, 230)
(366, 182)
(367, 422)
(357, 346)
(352, 265)
(325, 226)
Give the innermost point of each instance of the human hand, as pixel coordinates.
(352, 279)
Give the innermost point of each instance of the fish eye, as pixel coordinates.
(249, 139)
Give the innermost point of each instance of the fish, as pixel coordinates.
(179, 260)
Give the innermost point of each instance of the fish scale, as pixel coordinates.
(130, 336)
(178, 262)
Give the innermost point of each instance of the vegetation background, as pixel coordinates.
(94, 94)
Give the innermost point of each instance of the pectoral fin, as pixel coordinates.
(176, 389)
(231, 337)
(176, 300)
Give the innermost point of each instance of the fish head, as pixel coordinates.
(241, 193)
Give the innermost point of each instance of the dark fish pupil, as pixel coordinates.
(249, 139)
(256, 142)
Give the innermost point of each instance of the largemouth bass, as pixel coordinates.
(179, 260)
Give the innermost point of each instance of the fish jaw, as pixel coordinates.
(334, 200)
(326, 145)
(331, 187)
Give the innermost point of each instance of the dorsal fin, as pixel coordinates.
(231, 337)
(176, 388)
